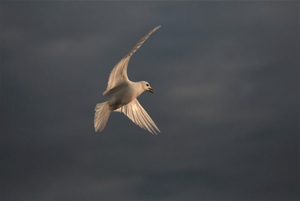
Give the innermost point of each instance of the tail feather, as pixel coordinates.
(102, 113)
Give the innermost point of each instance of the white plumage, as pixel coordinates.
(123, 95)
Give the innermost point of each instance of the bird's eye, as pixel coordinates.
(147, 85)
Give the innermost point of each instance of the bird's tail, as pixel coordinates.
(102, 113)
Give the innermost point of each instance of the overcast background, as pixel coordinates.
(226, 76)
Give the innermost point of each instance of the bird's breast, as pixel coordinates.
(121, 98)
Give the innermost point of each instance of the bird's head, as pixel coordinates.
(146, 87)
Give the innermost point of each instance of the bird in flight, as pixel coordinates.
(123, 95)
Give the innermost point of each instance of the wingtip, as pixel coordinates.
(157, 27)
(155, 131)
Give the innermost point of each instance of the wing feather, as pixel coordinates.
(118, 74)
(141, 41)
(136, 113)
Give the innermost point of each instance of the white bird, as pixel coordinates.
(123, 95)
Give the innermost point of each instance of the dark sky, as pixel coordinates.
(226, 76)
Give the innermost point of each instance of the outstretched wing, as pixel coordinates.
(139, 116)
(118, 74)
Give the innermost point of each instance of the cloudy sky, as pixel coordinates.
(226, 76)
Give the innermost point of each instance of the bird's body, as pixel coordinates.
(127, 93)
(123, 93)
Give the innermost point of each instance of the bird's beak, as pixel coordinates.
(151, 90)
